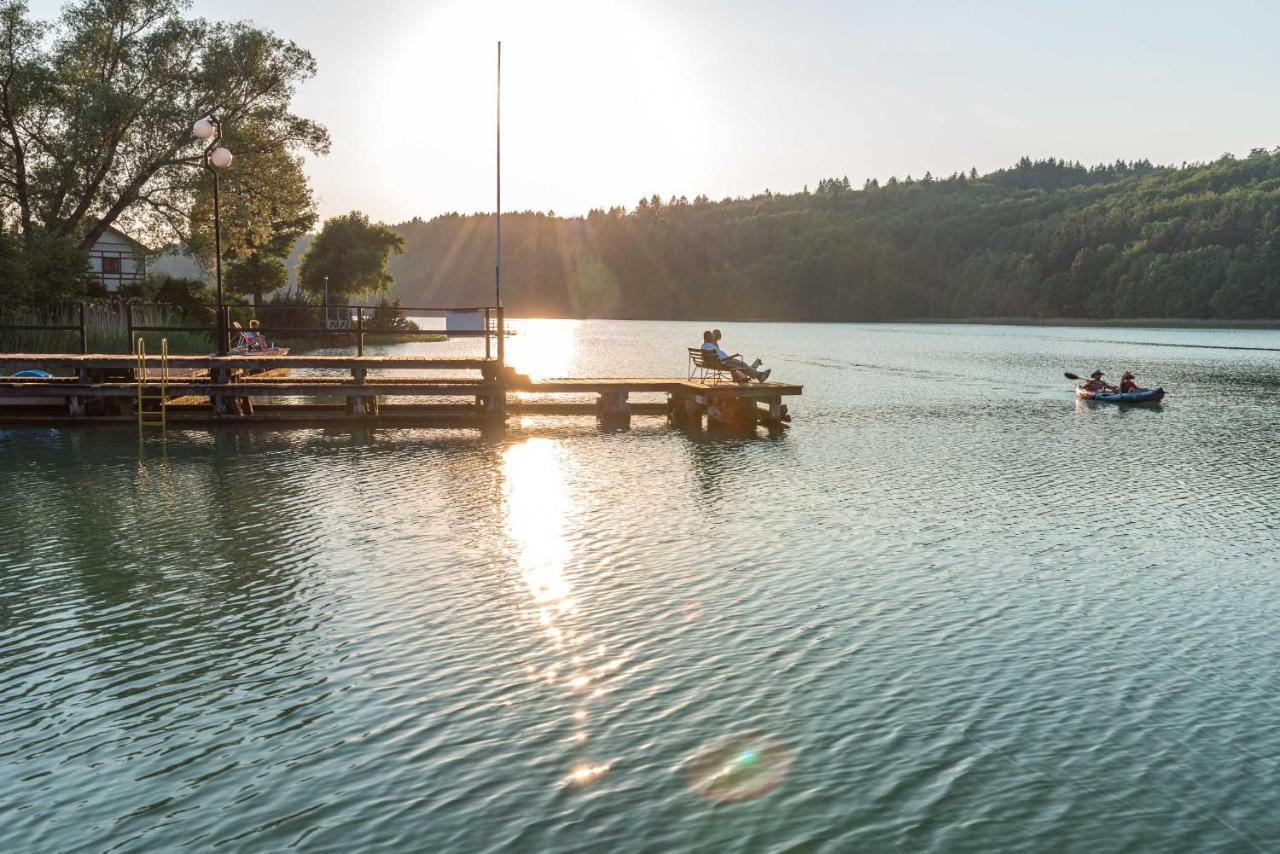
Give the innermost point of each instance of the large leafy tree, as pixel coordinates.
(256, 276)
(352, 253)
(96, 111)
(265, 205)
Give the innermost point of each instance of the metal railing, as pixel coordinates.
(492, 328)
(79, 328)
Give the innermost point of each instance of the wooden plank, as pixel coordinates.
(406, 386)
(244, 389)
(606, 385)
(74, 361)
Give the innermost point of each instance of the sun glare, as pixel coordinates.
(590, 93)
(543, 348)
(535, 517)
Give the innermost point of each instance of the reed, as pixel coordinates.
(106, 328)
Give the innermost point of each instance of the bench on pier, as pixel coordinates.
(706, 367)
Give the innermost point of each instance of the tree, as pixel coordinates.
(46, 267)
(256, 276)
(389, 316)
(96, 110)
(351, 253)
(266, 204)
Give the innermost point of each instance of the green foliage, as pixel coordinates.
(388, 316)
(188, 296)
(96, 110)
(44, 267)
(1046, 238)
(255, 276)
(265, 205)
(286, 310)
(351, 253)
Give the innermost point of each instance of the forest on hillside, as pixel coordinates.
(1042, 239)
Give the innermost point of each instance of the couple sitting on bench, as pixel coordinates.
(740, 370)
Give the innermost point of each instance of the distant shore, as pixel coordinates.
(1146, 322)
(1169, 323)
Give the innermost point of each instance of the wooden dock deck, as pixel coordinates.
(105, 388)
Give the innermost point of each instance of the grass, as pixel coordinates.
(106, 329)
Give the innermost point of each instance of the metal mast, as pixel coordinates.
(497, 269)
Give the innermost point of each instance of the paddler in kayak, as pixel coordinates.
(1127, 383)
(1096, 383)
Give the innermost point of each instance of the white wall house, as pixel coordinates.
(117, 259)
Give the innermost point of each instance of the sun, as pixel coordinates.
(591, 93)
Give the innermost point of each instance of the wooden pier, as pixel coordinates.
(104, 388)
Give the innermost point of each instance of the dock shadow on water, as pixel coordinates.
(931, 616)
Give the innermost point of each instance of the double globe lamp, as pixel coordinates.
(209, 130)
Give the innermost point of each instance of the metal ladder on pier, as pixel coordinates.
(156, 417)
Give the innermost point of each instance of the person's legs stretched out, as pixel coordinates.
(737, 366)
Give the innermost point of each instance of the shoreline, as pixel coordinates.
(1147, 323)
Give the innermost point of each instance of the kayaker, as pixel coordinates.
(1096, 383)
(1127, 382)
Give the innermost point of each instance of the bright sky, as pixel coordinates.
(605, 102)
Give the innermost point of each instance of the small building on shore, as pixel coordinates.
(117, 259)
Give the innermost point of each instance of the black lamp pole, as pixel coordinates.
(217, 235)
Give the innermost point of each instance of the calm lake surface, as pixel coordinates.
(955, 610)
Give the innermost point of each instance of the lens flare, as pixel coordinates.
(739, 767)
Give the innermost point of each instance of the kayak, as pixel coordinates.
(1142, 395)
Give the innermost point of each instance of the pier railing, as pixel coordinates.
(323, 322)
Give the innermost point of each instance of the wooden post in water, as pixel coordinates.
(356, 402)
(218, 376)
(613, 408)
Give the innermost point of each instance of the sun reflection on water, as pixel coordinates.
(537, 513)
(536, 505)
(543, 348)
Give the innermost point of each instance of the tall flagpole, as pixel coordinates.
(497, 215)
(497, 270)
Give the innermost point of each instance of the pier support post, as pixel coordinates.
(356, 402)
(732, 412)
(613, 408)
(75, 404)
(218, 376)
(685, 411)
(494, 404)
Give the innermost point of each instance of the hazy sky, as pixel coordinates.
(604, 102)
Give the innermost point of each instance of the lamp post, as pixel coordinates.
(215, 158)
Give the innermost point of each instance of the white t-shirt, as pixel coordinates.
(715, 348)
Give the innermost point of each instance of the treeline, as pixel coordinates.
(1045, 238)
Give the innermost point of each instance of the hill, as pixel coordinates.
(1045, 238)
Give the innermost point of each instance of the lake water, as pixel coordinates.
(951, 609)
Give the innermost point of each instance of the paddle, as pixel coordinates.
(1072, 376)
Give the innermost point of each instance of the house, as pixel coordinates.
(117, 259)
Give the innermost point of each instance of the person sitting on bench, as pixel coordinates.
(734, 363)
